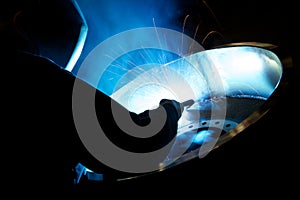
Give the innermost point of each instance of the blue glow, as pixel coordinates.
(138, 77)
(143, 89)
(130, 65)
(138, 74)
(107, 18)
(81, 170)
(80, 44)
(202, 136)
(236, 71)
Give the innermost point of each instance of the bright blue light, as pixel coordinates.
(202, 136)
(81, 170)
(140, 77)
(106, 18)
(130, 65)
(236, 71)
(144, 86)
(80, 44)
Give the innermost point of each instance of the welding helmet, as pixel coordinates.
(138, 53)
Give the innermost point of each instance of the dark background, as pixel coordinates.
(260, 162)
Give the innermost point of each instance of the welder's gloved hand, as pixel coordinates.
(172, 104)
(166, 133)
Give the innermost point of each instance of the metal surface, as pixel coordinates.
(229, 85)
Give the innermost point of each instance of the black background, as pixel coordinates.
(260, 162)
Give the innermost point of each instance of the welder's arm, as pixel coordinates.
(128, 142)
(166, 132)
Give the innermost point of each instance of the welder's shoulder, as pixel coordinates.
(25, 68)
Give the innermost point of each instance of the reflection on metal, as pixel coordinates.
(239, 71)
(81, 40)
(235, 81)
(84, 174)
